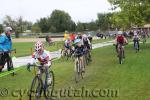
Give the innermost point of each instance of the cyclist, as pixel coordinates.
(67, 45)
(87, 44)
(5, 48)
(79, 51)
(136, 39)
(143, 36)
(44, 58)
(86, 41)
(120, 40)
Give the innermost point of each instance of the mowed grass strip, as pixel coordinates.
(131, 79)
(26, 48)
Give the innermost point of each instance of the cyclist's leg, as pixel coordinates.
(9, 62)
(134, 43)
(1, 62)
(116, 47)
(40, 72)
(82, 64)
(47, 66)
(123, 51)
(138, 45)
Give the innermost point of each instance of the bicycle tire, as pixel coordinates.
(120, 56)
(77, 71)
(38, 88)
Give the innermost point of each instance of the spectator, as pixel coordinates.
(5, 48)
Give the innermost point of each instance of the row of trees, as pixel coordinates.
(59, 21)
(133, 13)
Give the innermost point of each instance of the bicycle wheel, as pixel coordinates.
(49, 88)
(120, 56)
(81, 69)
(77, 70)
(136, 47)
(36, 89)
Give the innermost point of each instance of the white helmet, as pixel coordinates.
(7, 29)
(120, 32)
(84, 36)
(38, 46)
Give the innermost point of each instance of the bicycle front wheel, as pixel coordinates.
(36, 89)
(77, 71)
(120, 56)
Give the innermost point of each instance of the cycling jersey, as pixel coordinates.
(120, 39)
(43, 57)
(67, 43)
(79, 50)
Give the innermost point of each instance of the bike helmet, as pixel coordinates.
(77, 41)
(120, 32)
(38, 46)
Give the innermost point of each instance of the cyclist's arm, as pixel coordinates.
(89, 41)
(115, 41)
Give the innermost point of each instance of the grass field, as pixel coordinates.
(131, 79)
(25, 48)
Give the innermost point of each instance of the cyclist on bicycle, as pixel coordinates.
(79, 51)
(87, 44)
(120, 40)
(136, 39)
(44, 59)
(86, 41)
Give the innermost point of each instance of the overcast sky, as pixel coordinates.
(31, 10)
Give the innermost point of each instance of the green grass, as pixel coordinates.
(101, 40)
(26, 48)
(130, 79)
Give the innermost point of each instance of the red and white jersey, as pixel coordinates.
(43, 57)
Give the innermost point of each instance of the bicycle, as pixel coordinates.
(37, 88)
(66, 54)
(78, 68)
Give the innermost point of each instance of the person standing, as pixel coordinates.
(5, 49)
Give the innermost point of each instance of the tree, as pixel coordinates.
(61, 21)
(103, 21)
(43, 24)
(18, 25)
(80, 27)
(35, 28)
(135, 12)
